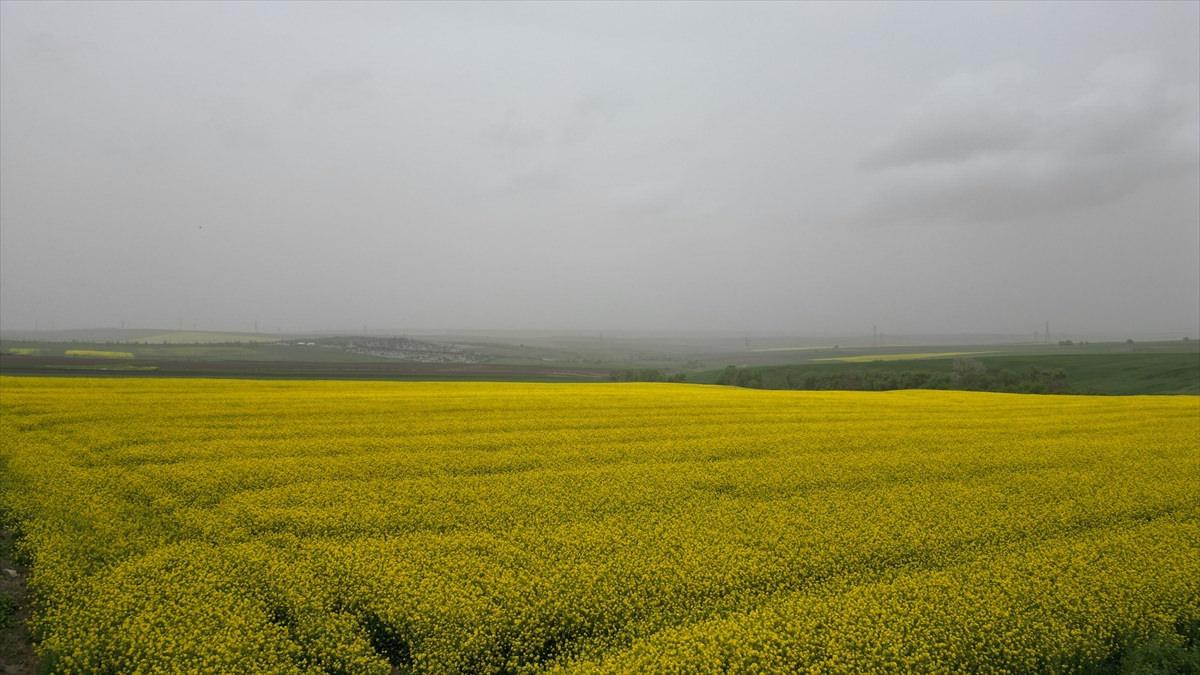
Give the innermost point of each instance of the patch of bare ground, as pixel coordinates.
(16, 647)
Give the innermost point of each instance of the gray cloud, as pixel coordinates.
(334, 89)
(669, 166)
(970, 115)
(979, 152)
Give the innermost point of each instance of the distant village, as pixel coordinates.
(400, 348)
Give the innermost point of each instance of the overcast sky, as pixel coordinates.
(804, 168)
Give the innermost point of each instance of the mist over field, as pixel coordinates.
(802, 168)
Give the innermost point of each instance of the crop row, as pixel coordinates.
(226, 526)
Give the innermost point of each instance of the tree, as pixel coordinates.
(970, 373)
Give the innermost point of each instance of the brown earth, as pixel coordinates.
(16, 646)
(56, 365)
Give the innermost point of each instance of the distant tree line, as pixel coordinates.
(965, 374)
(744, 377)
(645, 375)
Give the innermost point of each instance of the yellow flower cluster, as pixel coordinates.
(351, 527)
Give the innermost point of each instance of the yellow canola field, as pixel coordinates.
(356, 527)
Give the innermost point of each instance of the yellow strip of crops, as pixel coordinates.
(909, 356)
(286, 527)
(98, 354)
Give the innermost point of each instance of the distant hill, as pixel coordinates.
(1149, 368)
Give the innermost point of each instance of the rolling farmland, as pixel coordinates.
(372, 527)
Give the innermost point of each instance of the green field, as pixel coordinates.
(1152, 368)
(1101, 368)
(903, 356)
(182, 351)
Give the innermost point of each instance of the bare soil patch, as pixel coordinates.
(16, 647)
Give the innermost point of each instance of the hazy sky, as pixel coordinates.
(764, 167)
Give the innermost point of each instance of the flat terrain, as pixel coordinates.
(1167, 367)
(294, 369)
(377, 527)
(1154, 368)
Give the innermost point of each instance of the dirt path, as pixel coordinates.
(16, 649)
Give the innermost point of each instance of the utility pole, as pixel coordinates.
(874, 335)
(1047, 332)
